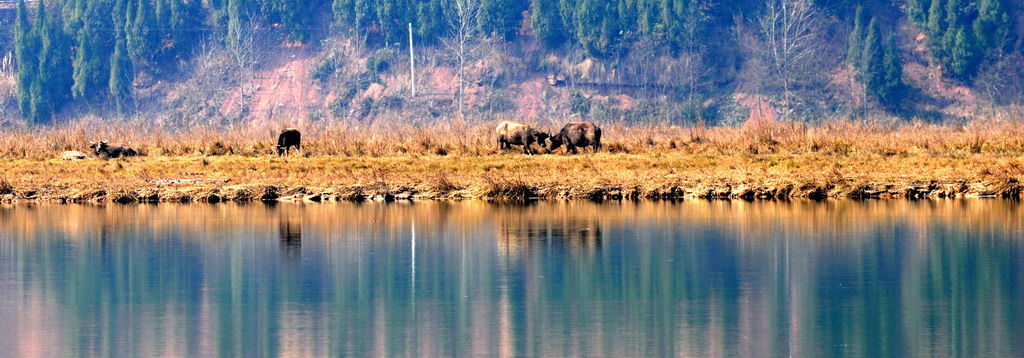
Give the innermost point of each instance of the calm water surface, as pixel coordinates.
(846, 278)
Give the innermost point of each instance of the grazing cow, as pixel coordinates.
(577, 135)
(106, 150)
(72, 155)
(515, 133)
(289, 137)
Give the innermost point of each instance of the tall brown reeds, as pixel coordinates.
(461, 139)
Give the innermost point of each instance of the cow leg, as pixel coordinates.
(572, 149)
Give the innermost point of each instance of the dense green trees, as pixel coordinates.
(876, 62)
(962, 35)
(43, 56)
(891, 90)
(122, 73)
(92, 49)
(502, 17)
(88, 75)
(855, 44)
(547, 23)
(142, 40)
(26, 56)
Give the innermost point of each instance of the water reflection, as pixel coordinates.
(876, 278)
(290, 233)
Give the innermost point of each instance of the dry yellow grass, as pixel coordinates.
(359, 162)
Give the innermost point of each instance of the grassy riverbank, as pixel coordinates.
(766, 161)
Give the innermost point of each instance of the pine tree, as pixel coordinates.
(219, 12)
(917, 11)
(143, 42)
(162, 13)
(97, 20)
(185, 22)
(501, 17)
(37, 95)
(392, 19)
(55, 74)
(129, 21)
(682, 21)
(891, 90)
(26, 57)
(76, 17)
(597, 28)
(118, 13)
(430, 22)
(344, 13)
(647, 17)
(627, 13)
(294, 16)
(855, 43)
(672, 21)
(365, 14)
(567, 9)
(872, 70)
(952, 25)
(88, 68)
(961, 54)
(936, 23)
(547, 23)
(991, 25)
(122, 75)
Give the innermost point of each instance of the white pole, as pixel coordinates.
(412, 62)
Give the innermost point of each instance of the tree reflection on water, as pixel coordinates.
(694, 278)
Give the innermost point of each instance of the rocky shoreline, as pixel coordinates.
(214, 192)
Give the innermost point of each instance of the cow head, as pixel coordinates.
(542, 138)
(98, 148)
(556, 141)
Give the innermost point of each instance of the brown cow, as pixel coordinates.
(577, 135)
(516, 133)
(289, 137)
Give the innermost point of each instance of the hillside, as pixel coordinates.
(677, 62)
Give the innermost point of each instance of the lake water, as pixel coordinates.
(623, 279)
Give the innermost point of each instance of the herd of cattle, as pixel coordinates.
(574, 135)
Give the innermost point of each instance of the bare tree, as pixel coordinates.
(247, 46)
(790, 30)
(1002, 82)
(465, 28)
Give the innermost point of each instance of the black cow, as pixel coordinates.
(289, 137)
(577, 135)
(106, 150)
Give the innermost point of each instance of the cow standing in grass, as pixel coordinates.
(577, 135)
(516, 133)
(106, 150)
(289, 137)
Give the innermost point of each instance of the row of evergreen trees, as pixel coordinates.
(91, 49)
(78, 49)
(432, 19)
(878, 67)
(962, 34)
(603, 27)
